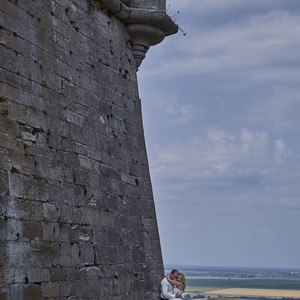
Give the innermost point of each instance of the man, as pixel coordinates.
(167, 289)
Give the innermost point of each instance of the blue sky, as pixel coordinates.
(221, 111)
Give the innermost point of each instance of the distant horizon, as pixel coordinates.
(178, 266)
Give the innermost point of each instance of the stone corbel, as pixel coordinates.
(142, 36)
(146, 27)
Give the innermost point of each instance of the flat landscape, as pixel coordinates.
(271, 293)
(243, 288)
(210, 284)
(229, 283)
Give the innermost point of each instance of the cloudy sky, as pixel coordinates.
(221, 110)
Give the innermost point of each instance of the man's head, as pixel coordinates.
(173, 274)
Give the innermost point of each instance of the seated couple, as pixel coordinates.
(173, 285)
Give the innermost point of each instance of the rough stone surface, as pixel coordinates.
(77, 216)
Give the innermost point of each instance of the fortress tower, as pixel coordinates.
(77, 215)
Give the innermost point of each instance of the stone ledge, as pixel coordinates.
(146, 27)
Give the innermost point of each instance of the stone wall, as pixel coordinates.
(77, 216)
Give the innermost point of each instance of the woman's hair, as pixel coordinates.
(183, 279)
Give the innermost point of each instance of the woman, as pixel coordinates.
(178, 282)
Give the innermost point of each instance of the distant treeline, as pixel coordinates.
(213, 283)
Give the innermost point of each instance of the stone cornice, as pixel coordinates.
(146, 27)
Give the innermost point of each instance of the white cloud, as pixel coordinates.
(253, 143)
(213, 5)
(280, 150)
(180, 113)
(206, 155)
(246, 163)
(173, 109)
(279, 109)
(260, 49)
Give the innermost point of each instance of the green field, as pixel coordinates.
(202, 285)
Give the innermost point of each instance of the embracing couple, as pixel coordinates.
(173, 285)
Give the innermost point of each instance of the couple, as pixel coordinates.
(173, 285)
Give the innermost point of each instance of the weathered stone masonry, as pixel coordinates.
(77, 216)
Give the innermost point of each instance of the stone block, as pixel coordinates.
(50, 289)
(86, 254)
(106, 254)
(23, 209)
(43, 254)
(50, 231)
(16, 275)
(12, 229)
(69, 254)
(4, 162)
(67, 275)
(29, 188)
(2, 258)
(50, 212)
(36, 275)
(33, 291)
(32, 230)
(4, 294)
